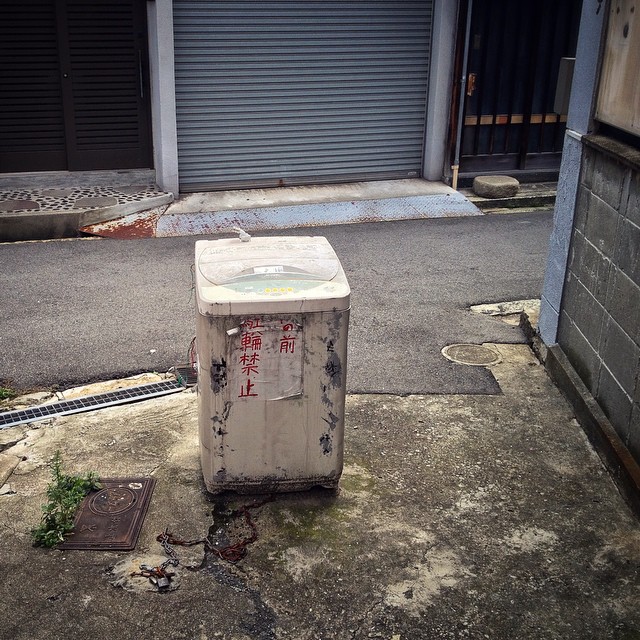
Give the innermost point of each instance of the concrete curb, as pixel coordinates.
(624, 470)
(93, 216)
(524, 202)
(622, 467)
(64, 224)
(530, 196)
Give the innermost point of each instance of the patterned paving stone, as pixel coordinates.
(18, 205)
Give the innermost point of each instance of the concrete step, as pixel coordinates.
(530, 196)
(255, 210)
(46, 212)
(129, 204)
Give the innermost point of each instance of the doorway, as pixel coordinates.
(74, 85)
(514, 53)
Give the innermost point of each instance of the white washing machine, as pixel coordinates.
(271, 332)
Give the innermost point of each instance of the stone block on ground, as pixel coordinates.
(495, 186)
(8, 463)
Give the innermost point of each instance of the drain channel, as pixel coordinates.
(89, 403)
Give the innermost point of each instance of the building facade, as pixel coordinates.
(227, 94)
(590, 311)
(216, 95)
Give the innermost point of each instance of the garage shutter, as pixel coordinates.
(280, 92)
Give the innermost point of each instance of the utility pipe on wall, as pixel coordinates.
(463, 88)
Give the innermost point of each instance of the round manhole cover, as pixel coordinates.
(472, 354)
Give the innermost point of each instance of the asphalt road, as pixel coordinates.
(74, 311)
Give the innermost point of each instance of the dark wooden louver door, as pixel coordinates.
(103, 71)
(32, 134)
(77, 96)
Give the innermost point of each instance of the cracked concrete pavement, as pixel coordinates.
(459, 516)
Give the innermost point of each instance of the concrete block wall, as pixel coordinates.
(599, 325)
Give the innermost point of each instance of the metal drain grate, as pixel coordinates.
(89, 403)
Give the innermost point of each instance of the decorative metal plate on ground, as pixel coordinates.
(111, 518)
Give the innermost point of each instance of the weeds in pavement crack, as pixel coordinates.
(65, 493)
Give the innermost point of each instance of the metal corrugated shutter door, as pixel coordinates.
(283, 92)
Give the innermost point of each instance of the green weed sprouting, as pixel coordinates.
(7, 394)
(65, 493)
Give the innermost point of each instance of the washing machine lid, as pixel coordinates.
(269, 275)
(230, 260)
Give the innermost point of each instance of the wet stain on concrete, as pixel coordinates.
(258, 621)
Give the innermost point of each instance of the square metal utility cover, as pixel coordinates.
(111, 518)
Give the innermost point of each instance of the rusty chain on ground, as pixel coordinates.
(160, 576)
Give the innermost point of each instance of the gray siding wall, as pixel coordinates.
(583, 88)
(599, 327)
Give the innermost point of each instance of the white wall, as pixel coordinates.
(163, 94)
(440, 86)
